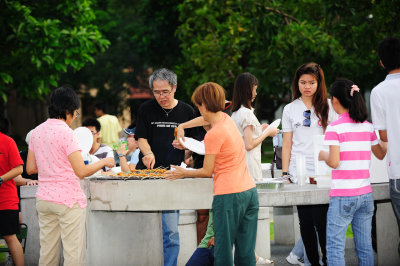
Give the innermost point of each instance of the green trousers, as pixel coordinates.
(235, 223)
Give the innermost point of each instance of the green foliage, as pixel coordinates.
(142, 37)
(40, 40)
(220, 39)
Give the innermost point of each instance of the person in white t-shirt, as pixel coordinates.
(307, 115)
(385, 110)
(244, 93)
(99, 150)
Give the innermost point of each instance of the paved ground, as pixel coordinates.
(280, 252)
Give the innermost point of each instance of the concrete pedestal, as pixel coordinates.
(187, 235)
(387, 235)
(30, 217)
(263, 243)
(122, 238)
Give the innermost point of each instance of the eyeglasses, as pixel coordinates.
(162, 93)
(94, 133)
(307, 121)
(77, 114)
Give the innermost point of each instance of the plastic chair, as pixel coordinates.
(23, 233)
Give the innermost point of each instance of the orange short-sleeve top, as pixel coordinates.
(231, 174)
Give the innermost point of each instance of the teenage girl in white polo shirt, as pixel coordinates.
(351, 139)
(307, 115)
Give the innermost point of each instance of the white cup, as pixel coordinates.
(301, 169)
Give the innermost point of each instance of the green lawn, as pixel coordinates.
(267, 151)
(349, 233)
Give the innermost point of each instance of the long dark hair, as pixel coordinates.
(340, 89)
(243, 91)
(320, 98)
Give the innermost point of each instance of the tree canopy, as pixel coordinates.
(41, 39)
(202, 40)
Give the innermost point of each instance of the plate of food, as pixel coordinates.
(274, 124)
(193, 145)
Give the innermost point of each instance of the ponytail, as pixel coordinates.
(350, 98)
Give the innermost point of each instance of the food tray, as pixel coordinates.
(157, 173)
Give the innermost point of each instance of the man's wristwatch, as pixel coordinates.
(121, 155)
(1, 181)
(285, 173)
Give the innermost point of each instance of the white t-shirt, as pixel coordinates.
(292, 121)
(104, 151)
(245, 117)
(385, 111)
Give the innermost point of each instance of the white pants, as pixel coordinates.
(58, 220)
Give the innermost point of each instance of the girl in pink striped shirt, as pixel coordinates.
(351, 139)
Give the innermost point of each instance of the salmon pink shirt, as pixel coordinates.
(52, 142)
(231, 174)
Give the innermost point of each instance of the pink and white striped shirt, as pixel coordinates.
(351, 177)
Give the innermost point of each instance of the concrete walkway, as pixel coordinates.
(280, 252)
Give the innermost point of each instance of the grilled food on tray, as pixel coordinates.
(142, 174)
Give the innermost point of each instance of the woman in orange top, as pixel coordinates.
(235, 203)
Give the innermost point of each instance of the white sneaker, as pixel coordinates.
(262, 261)
(293, 259)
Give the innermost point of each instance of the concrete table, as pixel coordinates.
(110, 202)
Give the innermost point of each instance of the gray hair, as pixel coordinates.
(163, 74)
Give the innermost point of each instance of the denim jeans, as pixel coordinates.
(202, 257)
(170, 220)
(357, 210)
(395, 196)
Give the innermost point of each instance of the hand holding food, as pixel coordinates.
(149, 160)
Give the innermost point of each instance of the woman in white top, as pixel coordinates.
(307, 115)
(244, 93)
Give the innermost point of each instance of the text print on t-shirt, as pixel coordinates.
(165, 124)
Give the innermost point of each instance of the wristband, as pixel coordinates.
(144, 155)
(121, 155)
(285, 173)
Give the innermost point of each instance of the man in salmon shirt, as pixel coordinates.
(10, 167)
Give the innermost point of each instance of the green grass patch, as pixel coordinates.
(349, 233)
(267, 151)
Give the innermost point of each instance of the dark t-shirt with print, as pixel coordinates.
(158, 128)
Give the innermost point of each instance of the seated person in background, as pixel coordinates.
(24, 175)
(204, 254)
(99, 150)
(189, 158)
(132, 148)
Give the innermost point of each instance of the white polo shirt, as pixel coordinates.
(292, 121)
(385, 110)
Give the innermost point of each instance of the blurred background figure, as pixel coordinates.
(132, 149)
(110, 131)
(98, 149)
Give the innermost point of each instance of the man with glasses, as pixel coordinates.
(156, 121)
(99, 150)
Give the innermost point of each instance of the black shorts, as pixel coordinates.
(9, 222)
